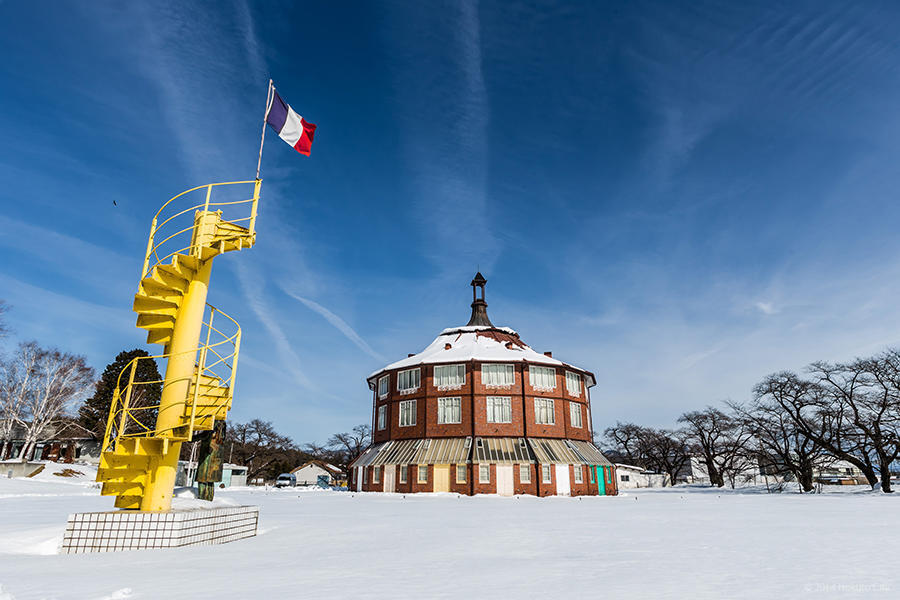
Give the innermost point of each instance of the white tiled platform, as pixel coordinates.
(119, 530)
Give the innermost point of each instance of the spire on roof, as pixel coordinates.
(479, 306)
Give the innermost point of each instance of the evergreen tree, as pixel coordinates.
(94, 413)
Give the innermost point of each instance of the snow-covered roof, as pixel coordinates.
(490, 344)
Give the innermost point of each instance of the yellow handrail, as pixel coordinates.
(122, 414)
(153, 246)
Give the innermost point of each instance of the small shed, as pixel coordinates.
(631, 476)
(315, 472)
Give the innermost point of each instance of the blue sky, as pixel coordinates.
(679, 197)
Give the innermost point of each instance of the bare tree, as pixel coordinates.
(58, 380)
(346, 447)
(667, 452)
(626, 442)
(867, 393)
(658, 450)
(264, 451)
(783, 445)
(822, 416)
(16, 376)
(722, 440)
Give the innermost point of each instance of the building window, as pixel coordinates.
(382, 417)
(365, 475)
(407, 413)
(449, 410)
(404, 473)
(460, 473)
(383, 386)
(543, 411)
(408, 381)
(497, 375)
(545, 473)
(525, 473)
(624, 477)
(543, 378)
(484, 473)
(608, 472)
(423, 474)
(579, 474)
(499, 409)
(575, 413)
(376, 475)
(449, 376)
(591, 473)
(573, 383)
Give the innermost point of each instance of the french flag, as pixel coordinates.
(290, 126)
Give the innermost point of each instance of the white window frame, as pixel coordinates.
(411, 383)
(461, 470)
(365, 475)
(384, 386)
(525, 473)
(575, 410)
(573, 383)
(579, 473)
(542, 378)
(498, 375)
(482, 469)
(404, 473)
(376, 474)
(422, 469)
(544, 407)
(407, 409)
(497, 405)
(451, 406)
(382, 417)
(449, 377)
(547, 473)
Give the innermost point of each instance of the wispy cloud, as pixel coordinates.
(251, 287)
(450, 173)
(338, 323)
(766, 308)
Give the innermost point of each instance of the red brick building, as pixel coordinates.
(479, 412)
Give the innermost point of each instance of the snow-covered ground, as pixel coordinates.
(674, 543)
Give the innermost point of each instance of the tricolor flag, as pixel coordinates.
(289, 125)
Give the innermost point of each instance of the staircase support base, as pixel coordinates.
(120, 530)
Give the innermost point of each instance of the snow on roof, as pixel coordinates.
(492, 344)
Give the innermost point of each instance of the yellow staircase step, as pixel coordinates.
(117, 488)
(129, 502)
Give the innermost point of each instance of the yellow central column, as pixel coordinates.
(179, 372)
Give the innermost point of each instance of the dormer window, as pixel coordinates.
(449, 376)
(408, 381)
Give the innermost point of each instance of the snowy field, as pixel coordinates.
(680, 543)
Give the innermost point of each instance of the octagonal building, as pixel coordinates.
(479, 412)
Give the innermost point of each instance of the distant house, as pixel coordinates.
(317, 471)
(64, 441)
(630, 476)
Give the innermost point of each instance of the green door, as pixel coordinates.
(601, 480)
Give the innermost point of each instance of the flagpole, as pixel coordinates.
(269, 98)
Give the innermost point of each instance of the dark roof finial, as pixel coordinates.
(479, 306)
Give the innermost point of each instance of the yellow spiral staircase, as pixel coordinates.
(200, 343)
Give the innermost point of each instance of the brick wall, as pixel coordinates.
(473, 407)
